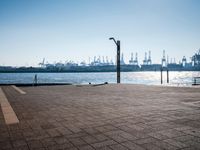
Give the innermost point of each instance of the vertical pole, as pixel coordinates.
(161, 80)
(167, 76)
(118, 61)
(35, 80)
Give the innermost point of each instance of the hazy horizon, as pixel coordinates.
(76, 30)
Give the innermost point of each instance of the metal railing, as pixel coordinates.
(196, 81)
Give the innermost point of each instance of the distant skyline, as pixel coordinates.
(60, 30)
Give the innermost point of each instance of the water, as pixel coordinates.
(150, 78)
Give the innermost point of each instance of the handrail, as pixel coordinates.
(195, 81)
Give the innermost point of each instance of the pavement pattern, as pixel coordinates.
(8, 113)
(106, 117)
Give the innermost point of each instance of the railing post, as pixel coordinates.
(167, 76)
(161, 78)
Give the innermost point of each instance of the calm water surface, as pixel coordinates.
(149, 78)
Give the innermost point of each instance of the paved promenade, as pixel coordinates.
(106, 117)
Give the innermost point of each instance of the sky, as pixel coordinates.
(61, 30)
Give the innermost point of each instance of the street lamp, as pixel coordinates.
(118, 58)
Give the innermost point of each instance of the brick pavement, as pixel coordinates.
(108, 117)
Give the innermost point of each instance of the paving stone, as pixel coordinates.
(171, 133)
(106, 128)
(6, 145)
(35, 144)
(73, 148)
(47, 142)
(47, 126)
(19, 143)
(103, 148)
(104, 117)
(91, 131)
(89, 139)
(118, 147)
(76, 135)
(53, 132)
(13, 127)
(158, 136)
(101, 137)
(60, 140)
(138, 135)
(25, 147)
(184, 138)
(77, 141)
(165, 145)
(88, 147)
(190, 148)
(104, 144)
(64, 131)
(118, 138)
(194, 132)
(183, 128)
(23, 125)
(176, 143)
(74, 129)
(146, 140)
(67, 145)
(60, 147)
(192, 143)
(149, 146)
(132, 146)
(4, 136)
(16, 135)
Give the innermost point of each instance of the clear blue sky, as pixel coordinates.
(77, 29)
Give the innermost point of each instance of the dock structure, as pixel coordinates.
(111, 116)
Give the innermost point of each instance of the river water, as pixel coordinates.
(149, 78)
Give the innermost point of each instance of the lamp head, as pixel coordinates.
(111, 38)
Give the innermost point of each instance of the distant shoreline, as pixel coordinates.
(108, 68)
(91, 71)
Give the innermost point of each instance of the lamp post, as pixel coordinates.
(118, 58)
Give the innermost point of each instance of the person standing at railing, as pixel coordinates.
(35, 79)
